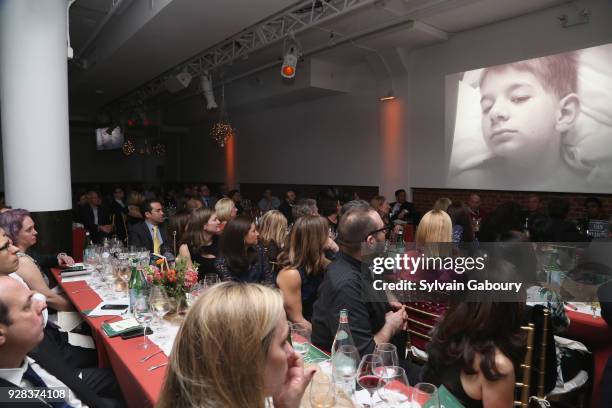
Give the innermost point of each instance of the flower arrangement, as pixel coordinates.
(175, 281)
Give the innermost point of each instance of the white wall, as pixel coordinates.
(521, 38)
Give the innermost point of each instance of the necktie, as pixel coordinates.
(36, 381)
(156, 243)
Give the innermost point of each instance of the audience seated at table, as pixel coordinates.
(241, 258)
(134, 215)
(234, 195)
(20, 228)
(286, 206)
(29, 359)
(506, 217)
(477, 347)
(330, 209)
(533, 211)
(200, 242)
(560, 229)
(462, 224)
(268, 201)
(150, 233)
(348, 282)
(226, 210)
(304, 265)
(95, 217)
(402, 209)
(119, 211)
(232, 351)
(273, 236)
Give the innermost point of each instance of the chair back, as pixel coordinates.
(523, 386)
(422, 317)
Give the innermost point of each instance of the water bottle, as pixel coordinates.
(135, 285)
(87, 248)
(343, 334)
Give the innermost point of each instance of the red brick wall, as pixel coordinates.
(424, 199)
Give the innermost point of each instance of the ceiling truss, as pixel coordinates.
(300, 17)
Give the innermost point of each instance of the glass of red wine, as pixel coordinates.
(369, 374)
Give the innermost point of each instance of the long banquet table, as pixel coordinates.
(140, 387)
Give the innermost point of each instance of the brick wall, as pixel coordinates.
(424, 199)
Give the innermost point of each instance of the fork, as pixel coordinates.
(155, 367)
(145, 358)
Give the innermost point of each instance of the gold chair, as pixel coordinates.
(421, 321)
(523, 387)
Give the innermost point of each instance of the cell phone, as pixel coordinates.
(114, 307)
(137, 332)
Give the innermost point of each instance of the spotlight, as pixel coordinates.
(207, 91)
(290, 61)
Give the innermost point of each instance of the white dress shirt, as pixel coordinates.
(15, 376)
(95, 214)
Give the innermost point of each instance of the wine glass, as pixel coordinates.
(322, 391)
(143, 314)
(390, 359)
(192, 295)
(300, 338)
(158, 299)
(210, 279)
(344, 366)
(395, 390)
(124, 273)
(425, 393)
(369, 374)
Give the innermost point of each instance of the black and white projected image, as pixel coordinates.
(543, 124)
(109, 141)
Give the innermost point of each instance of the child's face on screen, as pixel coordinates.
(518, 115)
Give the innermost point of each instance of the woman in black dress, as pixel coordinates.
(199, 244)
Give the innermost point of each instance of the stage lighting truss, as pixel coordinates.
(300, 17)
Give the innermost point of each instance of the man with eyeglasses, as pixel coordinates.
(346, 282)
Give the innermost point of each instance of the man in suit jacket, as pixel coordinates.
(119, 210)
(95, 217)
(143, 233)
(28, 359)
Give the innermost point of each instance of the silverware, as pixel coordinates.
(145, 358)
(155, 367)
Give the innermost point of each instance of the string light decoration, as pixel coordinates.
(129, 148)
(222, 129)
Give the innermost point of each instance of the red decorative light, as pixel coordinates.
(131, 122)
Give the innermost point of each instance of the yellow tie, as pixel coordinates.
(155, 240)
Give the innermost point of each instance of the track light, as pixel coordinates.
(207, 91)
(290, 61)
(387, 97)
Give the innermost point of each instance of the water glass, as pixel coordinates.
(210, 279)
(395, 391)
(388, 353)
(425, 393)
(158, 299)
(192, 295)
(143, 314)
(322, 391)
(300, 338)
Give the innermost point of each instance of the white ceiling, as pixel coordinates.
(132, 49)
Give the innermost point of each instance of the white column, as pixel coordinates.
(34, 104)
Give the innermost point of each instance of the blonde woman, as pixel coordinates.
(232, 352)
(382, 207)
(304, 263)
(435, 228)
(225, 210)
(272, 236)
(442, 204)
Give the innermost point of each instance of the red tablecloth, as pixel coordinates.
(597, 336)
(140, 387)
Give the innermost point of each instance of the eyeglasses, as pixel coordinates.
(383, 229)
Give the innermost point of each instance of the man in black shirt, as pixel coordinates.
(287, 205)
(347, 280)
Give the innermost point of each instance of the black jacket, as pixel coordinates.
(48, 356)
(140, 236)
(86, 217)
